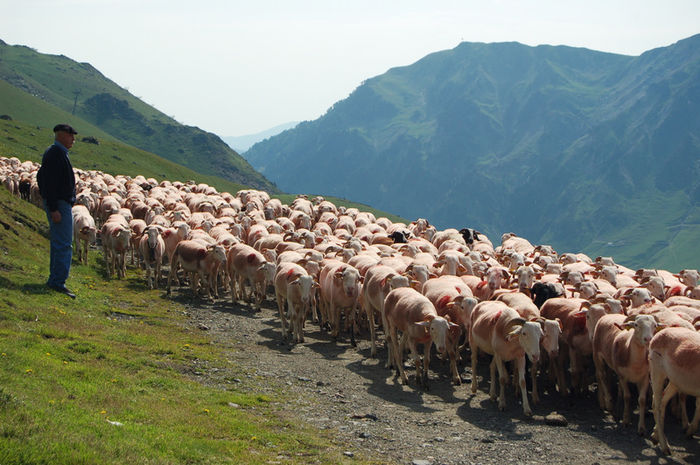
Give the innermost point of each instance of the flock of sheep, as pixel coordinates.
(346, 270)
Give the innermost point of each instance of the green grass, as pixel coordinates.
(25, 107)
(57, 78)
(79, 94)
(641, 245)
(120, 353)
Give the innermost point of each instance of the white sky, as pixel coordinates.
(240, 67)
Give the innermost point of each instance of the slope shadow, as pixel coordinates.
(583, 417)
(31, 288)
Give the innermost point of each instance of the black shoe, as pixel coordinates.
(63, 290)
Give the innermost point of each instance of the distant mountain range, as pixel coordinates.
(242, 143)
(86, 94)
(584, 150)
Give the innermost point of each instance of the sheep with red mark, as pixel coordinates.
(635, 297)
(551, 329)
(689, 278)
(410, 312)
(448, 262)
(614, 277)
(340, 286)
(269, 241)
(115, 242)
(525, 276)
(399, 263)
(499, 331)
(293, 286)
(551, 334)
(379, 280)
(84, 231)
(682, 300)
(496, 277)
(622, 344)
(519, 302)
(245, 264)
(591, 289)
(364, 261)
(108, 206)
(151, 250)
(179, 231)
(574, 337)
(674, 356)
(453, 300)
(693, 292)
(659, 289)
(445, 235)
(137, 226)
(418, 274)
(594, 311)
(202, 261)
(301, 219)
(517, 244)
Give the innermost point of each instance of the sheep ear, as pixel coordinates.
(423, 324)
(561, 327)
(659, 327)
(514, 333)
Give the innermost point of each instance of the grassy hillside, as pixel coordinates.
(28, 142)
(104, 378)
(81, 90)
(22, 106)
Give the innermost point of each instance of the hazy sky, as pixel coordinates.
(240, 67)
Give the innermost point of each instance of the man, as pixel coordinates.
(57, 186)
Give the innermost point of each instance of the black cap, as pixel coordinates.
(65, 128)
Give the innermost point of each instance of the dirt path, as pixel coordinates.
(341, 389)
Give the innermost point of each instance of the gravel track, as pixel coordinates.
(339, 388)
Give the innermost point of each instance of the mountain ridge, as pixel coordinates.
(556, 143)
(82, 90)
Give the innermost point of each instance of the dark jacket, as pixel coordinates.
(55, 177)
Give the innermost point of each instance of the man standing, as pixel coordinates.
(57, 186)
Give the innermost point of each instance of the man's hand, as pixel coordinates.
(56, 216)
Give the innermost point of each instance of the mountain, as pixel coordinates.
(242, 143)
(584, 150)
(82, 91)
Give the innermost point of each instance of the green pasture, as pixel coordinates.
(108, 377)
